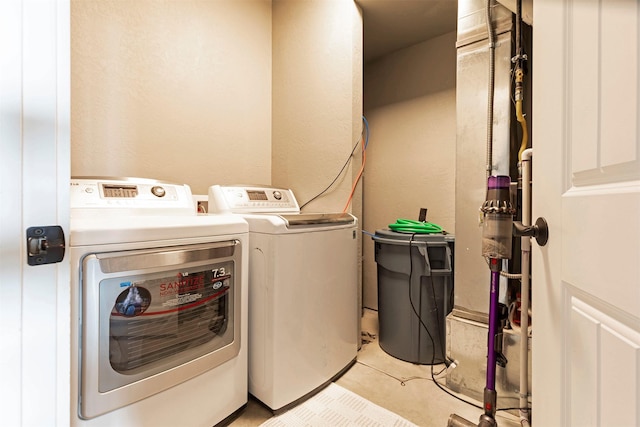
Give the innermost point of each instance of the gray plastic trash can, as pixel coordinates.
(415, 294)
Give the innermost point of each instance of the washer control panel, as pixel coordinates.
(251, 199)
(141, 194)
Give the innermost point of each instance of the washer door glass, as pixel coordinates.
(154, 318)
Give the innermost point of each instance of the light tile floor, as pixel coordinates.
(401, 387)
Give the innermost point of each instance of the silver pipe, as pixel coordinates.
(491, 90)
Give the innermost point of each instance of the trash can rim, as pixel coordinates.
(387, 233)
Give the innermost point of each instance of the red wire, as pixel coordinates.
(355, 183)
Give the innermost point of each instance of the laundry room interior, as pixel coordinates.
(321, 213)
(279, 93)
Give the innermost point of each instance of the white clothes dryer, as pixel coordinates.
(159, 306)
(303, 293)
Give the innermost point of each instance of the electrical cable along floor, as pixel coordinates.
(406, 389)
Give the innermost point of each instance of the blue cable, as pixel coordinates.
(368, 233)
(366, 135)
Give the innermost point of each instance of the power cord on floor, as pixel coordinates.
(402, 381)
(446, 360)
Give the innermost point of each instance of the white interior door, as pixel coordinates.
(34, 188)
(586, 183)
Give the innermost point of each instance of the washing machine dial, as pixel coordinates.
(158, 191)
(277, 195)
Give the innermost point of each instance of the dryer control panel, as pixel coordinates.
(251, 199)
(129, 196)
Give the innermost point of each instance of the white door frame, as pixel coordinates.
(34, 188)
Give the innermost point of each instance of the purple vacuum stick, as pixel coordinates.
(496, 245)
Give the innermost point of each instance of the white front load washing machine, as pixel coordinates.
(303, 293)
(159, 306)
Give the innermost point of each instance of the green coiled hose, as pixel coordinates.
(411, 226)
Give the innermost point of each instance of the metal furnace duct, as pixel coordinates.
(471, 293)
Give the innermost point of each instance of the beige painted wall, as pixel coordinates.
(173, 90)
(317, 98)
(183, 91)
(410, 103)
(220, 92)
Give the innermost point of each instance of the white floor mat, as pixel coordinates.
(336, 406)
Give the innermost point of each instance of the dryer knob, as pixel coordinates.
(158, 191)
(277, 195)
